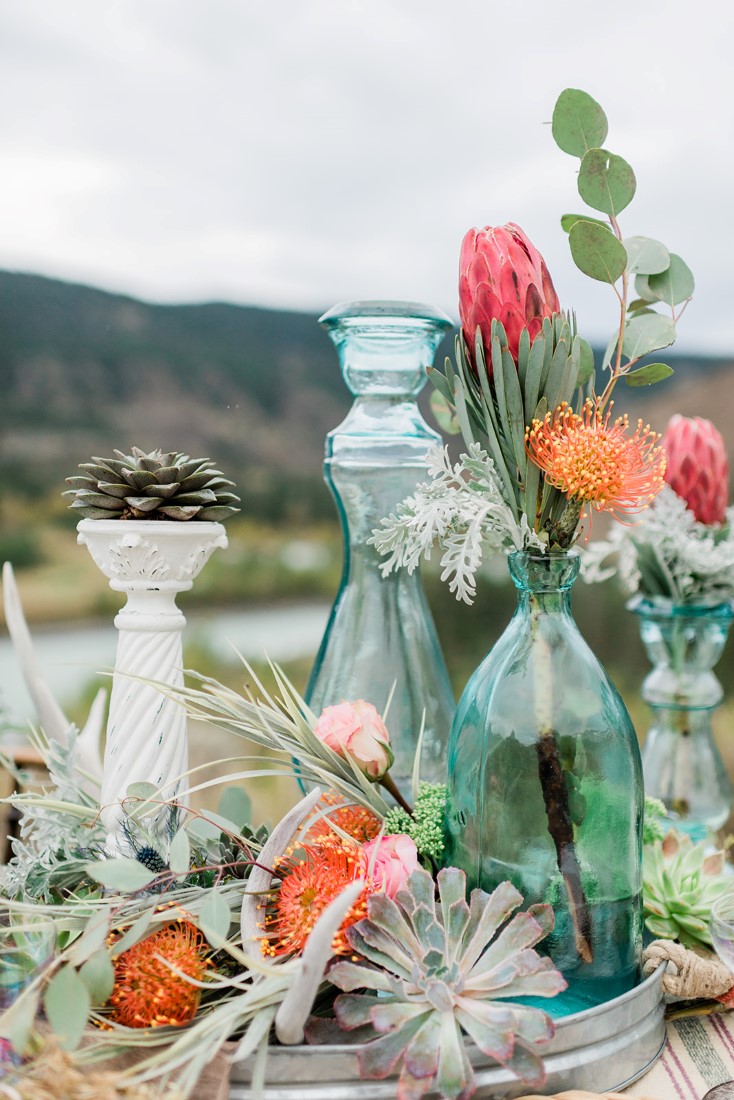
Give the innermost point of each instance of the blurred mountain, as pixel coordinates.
(83, 371)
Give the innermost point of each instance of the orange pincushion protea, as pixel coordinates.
(596, 462)
(357, 821)
(308, 884)
(148, 992)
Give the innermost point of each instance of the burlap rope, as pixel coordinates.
(690, 975)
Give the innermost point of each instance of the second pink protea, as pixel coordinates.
(698, 468)
(502, 276)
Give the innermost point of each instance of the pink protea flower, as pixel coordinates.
(502, 275)
(358, 731)
(389, 862)
(698, 469)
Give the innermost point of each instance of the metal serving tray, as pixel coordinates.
(601, 1049)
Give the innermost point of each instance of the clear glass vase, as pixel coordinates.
(681, 763)
(545, 786)
(380, 633)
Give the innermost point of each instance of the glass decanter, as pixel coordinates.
(680, 760)
(381, 634)
(545, 786)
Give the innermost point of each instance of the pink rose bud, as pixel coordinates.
(389, 862)
(502, 275)
(697, 468)
(357, 730)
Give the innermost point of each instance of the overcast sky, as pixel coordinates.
(293, 153)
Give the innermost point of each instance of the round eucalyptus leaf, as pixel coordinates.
(67, 1005)
(597, 252)
(121, 873)
(642, 287)
(569, 220)
(179, 853)
(648, 375)
(606, 182)
(215, 917)
(646, 256)
(235, 805)
(638, 305)
(647, 332)
(675, 285)
(98, 975)
(141, 790)
(579, 123)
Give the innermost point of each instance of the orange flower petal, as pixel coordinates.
(595, 461)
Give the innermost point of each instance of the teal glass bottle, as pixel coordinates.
(545, 786)
(381, 633)
(681, 763)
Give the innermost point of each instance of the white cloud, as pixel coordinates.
(297, 153)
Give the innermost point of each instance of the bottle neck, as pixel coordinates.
(544, 582)
(380, 431)
(683, 644)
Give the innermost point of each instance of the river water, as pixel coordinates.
(71, 657)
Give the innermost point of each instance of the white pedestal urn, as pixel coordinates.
(151, 561)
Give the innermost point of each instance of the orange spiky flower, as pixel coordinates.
(357, 821)
(594, 461)
(147, 991)
(308, 884)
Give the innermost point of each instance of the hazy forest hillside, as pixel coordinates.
(83, 371)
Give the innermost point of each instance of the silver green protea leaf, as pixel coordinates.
(438, 971)
(681, 881)
(159, 485)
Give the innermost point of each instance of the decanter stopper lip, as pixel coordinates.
(384, 309)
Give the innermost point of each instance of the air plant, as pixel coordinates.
(434, 972)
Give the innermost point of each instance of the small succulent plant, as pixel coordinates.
(159, 485)
(437, 971)
(681, 882)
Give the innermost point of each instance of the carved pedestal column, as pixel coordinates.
(151, 561)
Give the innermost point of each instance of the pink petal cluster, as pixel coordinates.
(697, 469)
(389, 862)
(358, 731)
(502, 275)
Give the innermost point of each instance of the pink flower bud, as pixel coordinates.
(389, 862)
(502, 275)
(357, 730)
(697, 469)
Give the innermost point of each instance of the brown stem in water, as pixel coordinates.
(560, 828)
(555, 797)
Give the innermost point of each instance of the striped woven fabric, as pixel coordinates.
(698, 1054)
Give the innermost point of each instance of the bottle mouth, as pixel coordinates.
(538, 573)
(664, 607)
(385, 311)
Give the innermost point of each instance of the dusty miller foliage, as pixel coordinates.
(463, 510)
(57, 833)
(667, 553)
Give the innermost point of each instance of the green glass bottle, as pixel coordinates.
(380, 642)
(680, 760)
(545, 786)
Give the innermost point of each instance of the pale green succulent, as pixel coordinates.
(680, 884)
(438, 972)
(159, 485)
